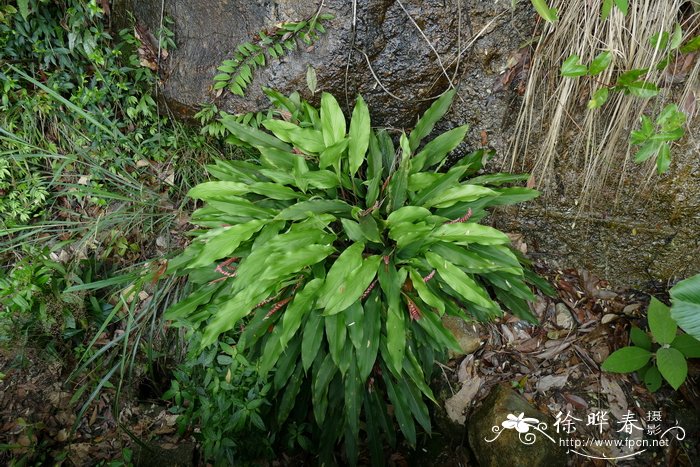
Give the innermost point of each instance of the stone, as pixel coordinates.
(388, 60)
(467, 334)
(563, 316)
(507, 447)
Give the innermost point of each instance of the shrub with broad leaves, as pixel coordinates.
(333, 254)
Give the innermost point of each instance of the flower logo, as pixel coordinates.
(520, 423)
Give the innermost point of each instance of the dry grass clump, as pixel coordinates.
(554, 122)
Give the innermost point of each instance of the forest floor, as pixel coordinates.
(555, 366)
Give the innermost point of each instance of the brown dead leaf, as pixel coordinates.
(457, 405)
(545, 383)
(617, 401)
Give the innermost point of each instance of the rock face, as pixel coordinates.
(630, 237)
(508, 448)
(385, 41)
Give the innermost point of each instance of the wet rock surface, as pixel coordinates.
(384, 47)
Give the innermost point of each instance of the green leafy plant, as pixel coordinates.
(664, 357)
(654, 139)
(272, 44)
(220, 392)
(685, 305)
(336, 253)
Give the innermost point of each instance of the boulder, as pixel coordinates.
(388, 55)
(493, 445)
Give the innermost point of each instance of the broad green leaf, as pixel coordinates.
(222, 242)
(298, 309)
(287, 363)
(402, 411)
(321, 382)
(372, 324)
(231, 311)
(606, 9)
(333, 154)
(693, 45)
(442, 182)
(332, 120)
(622, 6)
(435, 151)
(352, 230)
(600, 63)
(415, 403)
(407, 214)
(211, 190)
(640, 338)
(652, 379)
(252, 136)
(313, 337)
(291, 392)
(398, 185)
(670, 118)
(572, 67)
(23, 6)
(661, 324)
(349, 260)
(599, 98)
(548, 14)
(353, 398)
(359, 135)
(375, 168)
(460, 193)
(353, 285)
(672, 366)
(391, 282)
(663, 159)
(308, 140)
(186, 307)
(355, 323)
(431, 116)
(305, 209)
(424, 292)
(685, 301)
(336, 334)
(281, 128)
(464, 233)
(688, 345)
(626, 360)
(458, 280)
(431, 324)
(415, 372)
(648, 150)
(643, 89)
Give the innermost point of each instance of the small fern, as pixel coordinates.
(237, 73)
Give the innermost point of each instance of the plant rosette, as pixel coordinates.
(333, 255)
(664, 358)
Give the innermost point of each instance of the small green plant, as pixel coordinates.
(663, 356)
(653, 137)
(272, 44)
(337, 253)
(220, 392)
(685, 305)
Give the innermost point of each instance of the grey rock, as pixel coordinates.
(207, 33)
(507, 448)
